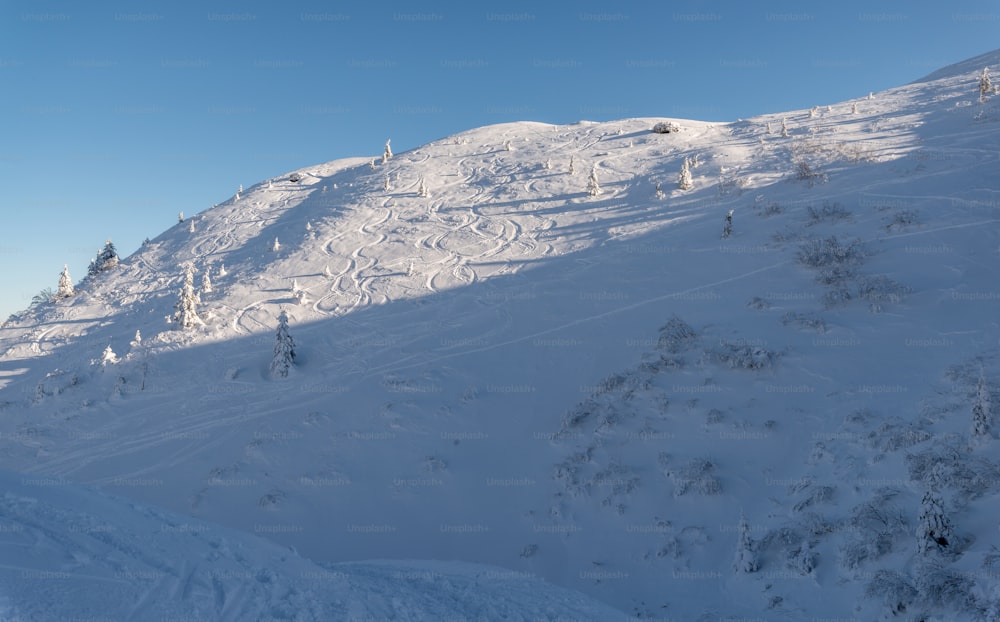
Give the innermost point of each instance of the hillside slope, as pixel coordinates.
(593, 388)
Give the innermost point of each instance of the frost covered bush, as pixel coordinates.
(875, 525)
(824, 252)
(666, 127)
(941, 587)
(745, 357)
(893, 589)
(676, 336)
(829, 212)
(881, 289)
(697, 477)
(834, 261)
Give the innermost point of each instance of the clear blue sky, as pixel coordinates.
(115, 116)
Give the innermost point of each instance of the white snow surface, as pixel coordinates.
(490, 374)
(69, 553)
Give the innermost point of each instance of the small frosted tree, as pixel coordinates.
(784, 129)
(854, 108)
(659, 191)
(387, 153)
(275, 246)
(422, 189)
(191, 226)
(385, 183)
(180, 217)
(727, 227)
(186, 313)
(981, 410)
(65, 284)
(593, 188)
(222, 270)
(572, 164)
(284, 349)
(206, 282)
(684, 181)
(746, 557)
(985, 84)
(934, 528)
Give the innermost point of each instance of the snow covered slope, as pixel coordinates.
(592, 387)
(71, 554)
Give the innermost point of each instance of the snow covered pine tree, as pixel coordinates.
(186, 314)
(65, 284)
(745, 560)
(284, 349)
(727, 228)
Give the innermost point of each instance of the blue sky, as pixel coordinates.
(117, 116)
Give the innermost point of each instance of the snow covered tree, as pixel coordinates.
(985, 84)
(107, 257)
(186, 313)
(768, 127)
(276, 246)
(746, 557)
(284, 349)
(387, 153)
(572, 167)
(206, 282)
(385, 183)
(191, 226)
(422, 189)
(506, 146)
(684, 181)
(180, 217)
(727, 228)
(934, 528)
(92, 268)
(981, 410)
(65, 284)
(592, 186)
(784, 129)
(854, 108)
(659, 191)
(222, 270)
(548, 164)
(371, 164)
(108, 357)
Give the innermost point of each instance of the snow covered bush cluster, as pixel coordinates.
(666, 127)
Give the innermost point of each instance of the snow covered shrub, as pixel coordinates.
(895, 434)
(829, 212)
(893, 589)
(806, 173)
(758, 304)
(697, 477)
(666, 127)
(882, 289)
(676, 336)
(745, 356)
(946, 589)
(804, 321)
(902, 220)
(836, 297)
(875, 525)
(834, 261)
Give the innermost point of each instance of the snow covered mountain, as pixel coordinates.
(526, 346)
